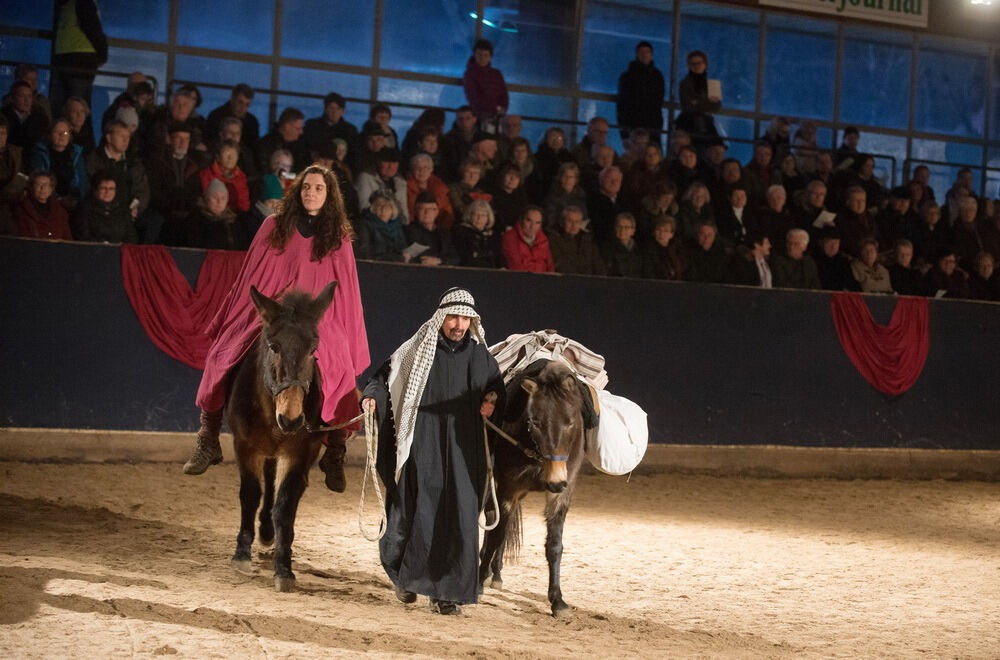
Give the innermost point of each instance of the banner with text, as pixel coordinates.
(912, 13)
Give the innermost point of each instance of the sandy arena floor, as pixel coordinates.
(103, 561)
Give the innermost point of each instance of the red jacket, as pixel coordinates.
(32, 222)
(239, 191)
(534, 258)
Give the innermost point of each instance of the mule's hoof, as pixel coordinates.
(242, 566)
(284, 585)
(561, 610)
(264, 542)
(497, 584)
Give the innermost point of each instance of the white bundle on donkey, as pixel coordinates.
(622, 435)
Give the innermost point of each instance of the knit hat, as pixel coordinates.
(215, 187)
(127, 115)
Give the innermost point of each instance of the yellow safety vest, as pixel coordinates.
(69, 37)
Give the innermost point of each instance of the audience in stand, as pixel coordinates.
(603, 215)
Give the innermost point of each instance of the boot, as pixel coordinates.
(208, 451)
(445, 607)
(332, 462)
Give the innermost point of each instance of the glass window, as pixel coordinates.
(956, 154)
(27, 13)
(884, 148)
(875, 78)
(740, 129)
(800, 67)
(951, 87)
(729, 37)
(392, 90)
(993, 175)
(429, 37)
(315, 81)
(533, 40)
(995, 118)
(610, 32)
(144, 20)
(551, 108)
(329, 30)
(228, 73)
(245, 26)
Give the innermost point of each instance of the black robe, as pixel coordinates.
(431, 544)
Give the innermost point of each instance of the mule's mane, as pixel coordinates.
(295, 305)
(550, 380)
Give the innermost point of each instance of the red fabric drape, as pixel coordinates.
(890, 357)
(173, 316)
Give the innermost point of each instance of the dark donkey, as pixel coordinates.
(545, 416)
(273, 401)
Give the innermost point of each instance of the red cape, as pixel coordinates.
(343, 344)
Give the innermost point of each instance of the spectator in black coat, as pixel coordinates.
(214, 225)
(102, 217)
(26, 124)
(966, 237)
(183, 103)
(906, 280)
(174, 185)
(834, 266)
(330, 125)
(707, 260)
(641, 90)
(748, 264)
(621, 254)
(551, 154)
(945, 279)
(930, 235)
(662, 259)
(736, 219)
(509, 198)
(697, 106)
(605, 205)
(475, 240)
(440, 249)
(573, 250)
(237, 106)
(984, 281)
(287, 135)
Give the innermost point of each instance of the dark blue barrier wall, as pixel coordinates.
(710, 364)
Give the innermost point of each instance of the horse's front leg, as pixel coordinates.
(249, 500)
(555, 517)
(266, 529)
(290, 483)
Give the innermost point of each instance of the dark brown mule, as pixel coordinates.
(273, 400)
(544, 415)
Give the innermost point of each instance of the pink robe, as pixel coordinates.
(343, 344)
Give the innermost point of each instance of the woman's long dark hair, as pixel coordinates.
(332, 225)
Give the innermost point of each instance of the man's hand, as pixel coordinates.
(368, 404)
(489, 404)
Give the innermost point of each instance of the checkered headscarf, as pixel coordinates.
(410, 366)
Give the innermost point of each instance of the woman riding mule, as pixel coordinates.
(305, 246)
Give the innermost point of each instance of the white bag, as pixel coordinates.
(622, 435)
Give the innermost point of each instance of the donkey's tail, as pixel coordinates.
(513, 534)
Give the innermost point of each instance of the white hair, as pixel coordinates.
(419, 158)
(797, 236)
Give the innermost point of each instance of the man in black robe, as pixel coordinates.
(430, 396)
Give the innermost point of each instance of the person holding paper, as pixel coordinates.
(698, 100)
(640, 95)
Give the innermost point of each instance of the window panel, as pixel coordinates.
(993, 175)
(552, 108)
(428, 37)
(329, 30)
(875, 79)
(957, 154)
(228, 73)
(533, 40)
(729, 37)
(26, 13)
(951, 85)
(739, 128)
(144, 20)
(800, 67)
(611, 31)
(249, 30)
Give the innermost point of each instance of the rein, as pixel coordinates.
(527, 451)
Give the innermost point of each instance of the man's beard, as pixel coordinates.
(456, 334)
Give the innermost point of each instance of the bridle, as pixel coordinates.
(534, 453)
(277, 387)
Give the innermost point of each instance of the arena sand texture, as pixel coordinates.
(102, 561)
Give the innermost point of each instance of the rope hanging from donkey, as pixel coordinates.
(371, 441)
(491, 484)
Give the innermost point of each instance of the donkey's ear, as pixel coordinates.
(529, 386)
(322, 301)
(569, 383)
(267, 308)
